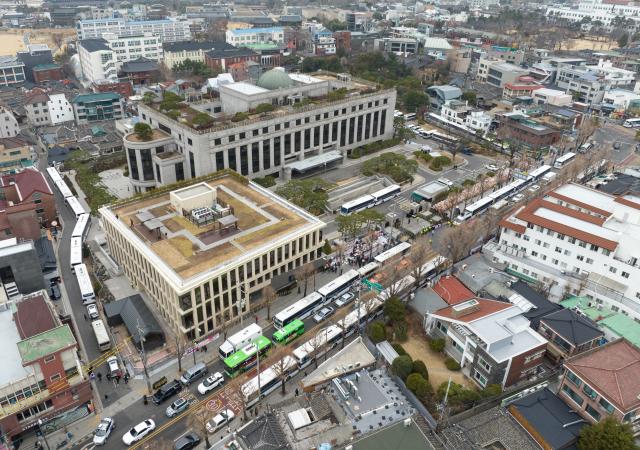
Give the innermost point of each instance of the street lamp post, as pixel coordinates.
(242, 304)
(43, 434)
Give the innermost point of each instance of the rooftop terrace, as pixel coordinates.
(256, 218)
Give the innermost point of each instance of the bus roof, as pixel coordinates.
(266, 376)
(321, 338)
(540, 171)
(393, 251)
(566, 157)
(289, 328)
(342, 279)
(358, 201)
(251, 330)
(479, 204)
(385, 191)
(298, 306)
(247, 351)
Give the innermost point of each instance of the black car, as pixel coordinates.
(167, 391)
(187, 442)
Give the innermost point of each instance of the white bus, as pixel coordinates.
(410, 116)
(338, 286)
(366, 312)
(54, 174)
(75, 256)
(299, 310)
(368, 269)
(476, 208)
(564, 160)
(75, 206)
(399, 289)
(538, 173)
(317, 346)
(400, 249)
(267, 381)
(430, 268)
(82, 227)
(64, 189)
(84, 282)
(385, 194)
(240, 339)
(631, 123)
(439, 137)
(360, 203)
(102, 337)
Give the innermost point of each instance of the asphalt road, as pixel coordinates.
(610, 133)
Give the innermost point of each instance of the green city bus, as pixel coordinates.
(289, 332)
(246, 357)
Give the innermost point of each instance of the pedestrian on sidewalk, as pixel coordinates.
(126, 378)
(204, 348)
(296, 392)
(117, 379)
(99, 376)
(256, 318)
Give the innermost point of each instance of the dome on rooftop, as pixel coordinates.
(274, 79)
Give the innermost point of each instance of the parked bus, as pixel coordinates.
(82, 227)
(386, 194)
(84, 283)
(54, 174)
(367, 311)
(538, 173)
(317, 346)
(563, 160)
(338, 285)
(439, 137)
(240, 339)
(399, 289)
(474, 209)
(359, 204)
(410, 116)
(430, 268)
(368, 269)
(63, 189)
(268, 380)
(508, 190)
(289, 332)
(299, 310)
(75, 206)
(75, 257)
(102, 337)
(246, 357)
(631, 123)
(399, 250)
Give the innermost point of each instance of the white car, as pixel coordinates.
(212, 382)
(102, 433)
(114, 367)
(491, 167)
(534, 188)
(138, 432)
(445, 181)
(92, 310)
(220, 420)
(516, 198)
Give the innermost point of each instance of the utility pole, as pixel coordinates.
(143, 357)
(44, 435)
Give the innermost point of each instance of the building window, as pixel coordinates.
(192, 165)
(50, 358)
(608, 407)
(479, 378)
(484, 364)
(590, 392)
(55, 377)
(572, 395)
(592, 412)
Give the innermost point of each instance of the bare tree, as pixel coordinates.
(198, 419)
(305, 272)
(269, 295)
(392, 275)
(238, 390)
(181, 347)
(421, 253)
(586, 130)
(58, 40)
(458, 241)
(283, 361)
(223, 325)
(314, 345)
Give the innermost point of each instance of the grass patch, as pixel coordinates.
(246, 215)
(372, 148)
(183, 245)
(89, 180)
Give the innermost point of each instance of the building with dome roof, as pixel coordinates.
(282, 125)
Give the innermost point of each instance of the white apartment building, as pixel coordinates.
(596, 10)
(546, 96)
(178, 52)
(619, 98)
(289, 140)
(589, 82)
(237, 248)
(577, 241)
(498, 73)
(8, 124)
(168, 30)
(461, 113)
(251, 36)
(101, 59)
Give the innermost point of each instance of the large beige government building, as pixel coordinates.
(195, 252)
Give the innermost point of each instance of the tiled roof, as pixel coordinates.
(573, 328)
(485, 308)
(452, 291)
(33, 316)
(528, 215)
(612, 370)
(28, 181)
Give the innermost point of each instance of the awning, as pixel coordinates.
(143, 216)
(227, 221)
(387, 351)
(522, 276)
(315, 161)
(153, 224)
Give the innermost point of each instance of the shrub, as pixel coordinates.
(451, 364)
(170, 101)
(492, 390)
(264, 108)
(373, 147)
(468, 182)
(376, 332)
(338, 94)
(143, 131)
(458, 394)
(439, 162)
(174, 114)
(202, 120)
(421, 368)
(402, 366)
(399, 349)
(424, 391)
(240, 116)
(437, 345)
(423, 156)
(413, 380)
(266, 182)
(326, 248)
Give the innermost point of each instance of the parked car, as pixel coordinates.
(323, 314)
(467, 151)
(344, 299)
(92, 311)
(187, 442)
(102, 433)
(491, 167)
(211, 382)
(138, 432)
(177, 407)
(167, 391)
(220, 420)
(114, 367)
(516, 198)
(534, 188)
(193, 373)
(445, 181)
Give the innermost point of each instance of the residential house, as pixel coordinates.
(604, 382)
(450, 289)
(438, 95)
(47, 108)
(96, 107)
(220, 58)
(398, 46)
(569, 333)
(491, 340)
(9, 126)
(140, 71)
(498, 73)
(546, 96)
(519, 126)
(15, 154)
(458, 112)
(524, 85)
(47, 72)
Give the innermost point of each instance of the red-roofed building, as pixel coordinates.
(452, 291)
(27, 204)
(491, 340)
(524, 85)
(605, 382)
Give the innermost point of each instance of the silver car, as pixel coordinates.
(177, 407)
(323, 314)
